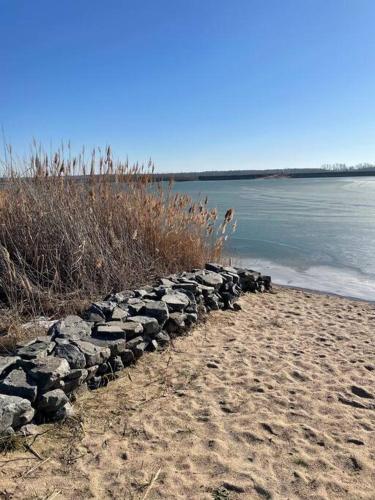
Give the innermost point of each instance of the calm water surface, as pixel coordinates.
(312, 233)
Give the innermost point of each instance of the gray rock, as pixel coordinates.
(116, 364)
(163, 339)
(92, 371)
(191, 319)
(71, 327)
(7, 363)
(51, 401)
(127, 357)
(49, 372)
(150, 325)
(119, 314)
(29, 430)
(156, 309)
(14, 412)
(135, 306)
(153, 345)
(134, 342)
(17, 383)
(95, 382)
(116, 346)
(94, 354)
(72, 354)
(121, 297)
(140, 348)
(212, 266)
(132, 329)
(176, 301)
(209, 278)
(175, 323)
(74, 380)
(36, 349)
(113, 330)
(64, 412)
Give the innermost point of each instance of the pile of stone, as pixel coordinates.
(39, 382)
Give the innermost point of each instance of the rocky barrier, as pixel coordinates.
(40, 381)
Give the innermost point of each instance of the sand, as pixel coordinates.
(274, 401)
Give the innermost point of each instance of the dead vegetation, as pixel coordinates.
(72, 230)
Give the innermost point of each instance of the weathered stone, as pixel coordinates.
(95, 383)
(156, 309)
(153, 345)
(163, 339)
(175, 323)
(191, 318)
(17, 383)
(120, 297)
(209, 278)
(29, 430)
(36, 349)
(49, 372)
(92, 371)
(64, 412)
(116, 364)
(119, 314)
(71, 327)
(51, 401)
(7, 363)
(94, 354)
(211, 266)
(74, 379)
(113, 330)
(133, 342)
(14, 412)
(135, 306)
(150, 325)
(116, 346)
(132, 329)
(127, 357)
(72, 354)
(176, 301)
(140, 348)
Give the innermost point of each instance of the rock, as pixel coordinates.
(17, 383)
(212, 302)
(153, 345)
(176, 301)
(211, 266)
(29, 430)
(191, 319)
(64, 412)
(116, 346)
(72, 354)
(209, 278)
(119, 314)
(175, 323)
(135, 306)
(116, 364)
(120, 297)
(127, 357)
(7, 363)
(95, 383)
(51, 401)
(156, 309)
(14, 412)
(139, 349)
(113, 330)
(92, 371)
(132, 343)
(166, 283)
(71, 327)
(163, 339)
(150, 325)
(36, 349)
(74, 379)
(49, 372)
(132, 329)
(94, 354)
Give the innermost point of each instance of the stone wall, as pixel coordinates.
(40, 381)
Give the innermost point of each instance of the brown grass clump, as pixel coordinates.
(72, 231)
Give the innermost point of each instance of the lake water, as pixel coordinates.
(311, 233)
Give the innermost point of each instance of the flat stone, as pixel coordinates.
(14, 412)
(51, 401)
(150, 325)
(135, 306)
(156, 309)
(94, 354)
(74, 379)
(71, 327)
(116, 364)
(66, 411)
(132, 329)
(48, 372)
(209, 278)
(72, 354)
(17, 383)
(119, 314)
(163, 339)
(176, 301)
(134, 342)
(116, 346)
(36, 349)
(7, 363)
(213, 266)
(175, 323)
(113, 330)
(140, 348)
(127, 357)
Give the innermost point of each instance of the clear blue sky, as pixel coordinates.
(195, 84)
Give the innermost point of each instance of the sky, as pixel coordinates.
(193, 84)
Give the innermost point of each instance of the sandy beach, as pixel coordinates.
(274, 401)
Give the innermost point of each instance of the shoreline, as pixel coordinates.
(322, 292)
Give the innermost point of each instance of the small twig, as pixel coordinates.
(36, 467)
(53, 495)
(152, 482)
(31, 450)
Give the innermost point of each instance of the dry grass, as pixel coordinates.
(73, 230)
